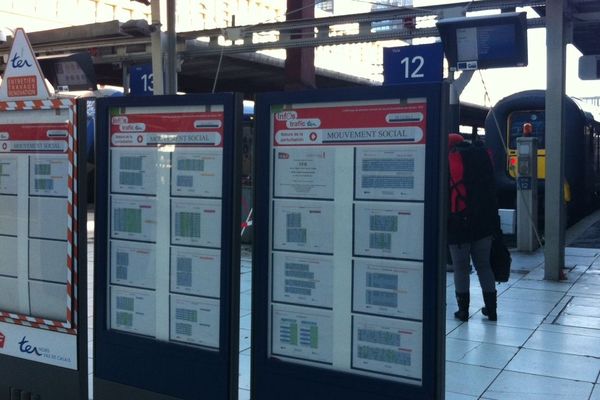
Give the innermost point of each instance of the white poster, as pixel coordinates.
(48, 218)
(303, 226)
(48, 260)
(48, 300)
(48, 175)
(393, 173)
(304, 172)
(197, 173)
(196, 271)
(8, 175)
(8, 215)
(195, 320)
(134, 171)
(9, 295)
(8, 256)
(133, 218)
(302, 333)
(196, 222)
(133, 264)
(389, 288)
(389, 230)
(387, 346)
(39, 345)
(303, 279)
(133, 310)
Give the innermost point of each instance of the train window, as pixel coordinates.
(516, 120)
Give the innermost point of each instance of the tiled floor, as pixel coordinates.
(544, 346)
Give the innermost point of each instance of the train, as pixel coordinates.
(504, 124)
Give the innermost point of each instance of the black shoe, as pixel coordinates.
(462, 299)
(489, 298)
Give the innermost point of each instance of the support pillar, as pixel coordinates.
(300, 62)
(554, 249)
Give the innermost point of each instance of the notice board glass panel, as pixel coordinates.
(37, 178)
(346, 242)
(165, 211)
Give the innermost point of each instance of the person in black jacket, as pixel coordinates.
(472, 220)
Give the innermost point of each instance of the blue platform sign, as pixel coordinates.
(413, 64)
(141, 80)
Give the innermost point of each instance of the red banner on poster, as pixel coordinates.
(185, 129)
(350, 125)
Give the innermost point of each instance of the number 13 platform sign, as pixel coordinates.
(413, 64)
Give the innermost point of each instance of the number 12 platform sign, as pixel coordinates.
(413, 64)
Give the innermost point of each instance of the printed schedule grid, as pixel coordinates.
(33, 235)
(346, 245)
(387, 263)
(164, 247)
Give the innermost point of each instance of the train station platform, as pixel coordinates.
(545, 344)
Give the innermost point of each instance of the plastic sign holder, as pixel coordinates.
(167, 247)
(43, 320)
(348, 291)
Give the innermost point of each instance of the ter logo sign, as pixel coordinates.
(413, 64)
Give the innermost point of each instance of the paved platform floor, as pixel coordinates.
(544, 346)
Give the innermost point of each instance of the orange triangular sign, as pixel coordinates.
(23, 78)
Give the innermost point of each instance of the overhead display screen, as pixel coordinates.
(346, 254)
(165, 208)
(485, 42)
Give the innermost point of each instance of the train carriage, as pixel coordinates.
(504, 124)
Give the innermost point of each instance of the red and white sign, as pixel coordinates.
(34, 138)
(23, 78)
(351, 125)
(181, 129)
(2, 340)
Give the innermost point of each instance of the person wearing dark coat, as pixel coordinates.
(470, 231)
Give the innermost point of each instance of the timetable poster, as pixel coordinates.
(133, 171)
(389, 288)
(8, 174)
(389, 346)
(48, 175)
(166, 183)
(390, 174)
(196, 271)
(35, 185)
(195, 320)
(133, 218)
(347, 197)
(196, 222)
(303, 226)
(303, 279)
(133, 264)
(133, 310)
(197, 173)
(389, 230)
(304, 172)
(302, 333)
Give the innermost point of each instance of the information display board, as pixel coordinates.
(346, 300)
(38, 229)
(166, 260)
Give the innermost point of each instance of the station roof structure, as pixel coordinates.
(114, 44)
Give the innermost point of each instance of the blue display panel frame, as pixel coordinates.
(128, 364)
(315, 376)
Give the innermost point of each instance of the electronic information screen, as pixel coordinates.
(346, 239)
(166, 174)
